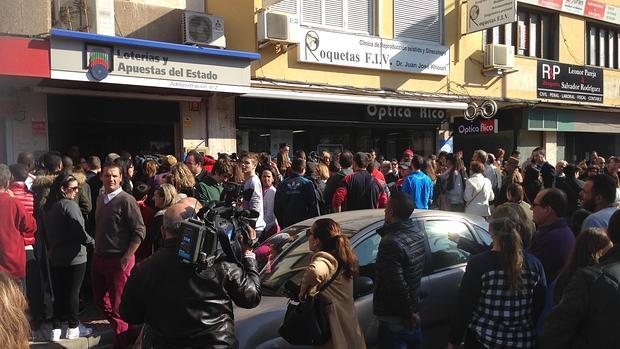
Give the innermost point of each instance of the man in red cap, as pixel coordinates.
(408, 155)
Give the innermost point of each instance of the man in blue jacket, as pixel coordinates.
(554, 240)
(418, 184)
(295, 197)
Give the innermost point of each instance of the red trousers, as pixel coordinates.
(109, 279)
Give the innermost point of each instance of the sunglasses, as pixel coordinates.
(73, 188)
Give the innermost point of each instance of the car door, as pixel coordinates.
(445, 265)
(366, 249)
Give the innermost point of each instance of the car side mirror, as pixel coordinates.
(362, 285)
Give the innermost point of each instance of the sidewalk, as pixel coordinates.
(102, 336)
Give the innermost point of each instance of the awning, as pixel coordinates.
(352, 99)
(24, 57)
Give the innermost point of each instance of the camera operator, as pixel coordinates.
(184, 306)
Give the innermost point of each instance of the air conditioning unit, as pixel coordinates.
(499, 56)
(278, 27)
(203, 30)
(94, 16)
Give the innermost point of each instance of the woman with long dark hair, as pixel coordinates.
(67, 240)
(502, 292)
(127, 169)
(333, 258)
(452, 184)
(590, 245)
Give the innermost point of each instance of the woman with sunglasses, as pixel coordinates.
(333, 262)
(67, 240)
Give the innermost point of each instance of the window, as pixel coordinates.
(287, 6)
(602, 45)
(348, 15)
(418, 19)
(484, 235)
(535, 34)
(444, 253)
(367, 255)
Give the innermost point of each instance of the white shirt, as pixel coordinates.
(255, 202)
(269, 196)
(478, 193)
(30, 180)
(108, 197)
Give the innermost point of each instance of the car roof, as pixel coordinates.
(359, 219)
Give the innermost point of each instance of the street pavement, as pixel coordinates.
(101, 338)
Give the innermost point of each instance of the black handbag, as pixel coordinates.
(306, 323)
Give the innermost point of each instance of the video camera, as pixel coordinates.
(218, 222)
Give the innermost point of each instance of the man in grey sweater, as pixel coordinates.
(119, 230)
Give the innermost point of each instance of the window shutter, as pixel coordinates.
(358, 16)
(418, 19)
(333, 13)
(287, 6)
(311, 12)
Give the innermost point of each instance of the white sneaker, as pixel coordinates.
(80, 331)
(55, 337)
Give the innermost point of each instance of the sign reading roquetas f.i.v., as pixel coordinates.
(352, 50)
(485, 14)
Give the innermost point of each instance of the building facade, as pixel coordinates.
(71, 79)
(356, 74)
(374, 48)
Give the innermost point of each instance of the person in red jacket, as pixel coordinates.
(359, 190)
(15, 223)
(22, 193)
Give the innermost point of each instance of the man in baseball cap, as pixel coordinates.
(408, 155)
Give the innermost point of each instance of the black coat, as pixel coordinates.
(547, 172)
(201, 176)
(185, 309)
(400, 262)
(571, 187)
(587, 315)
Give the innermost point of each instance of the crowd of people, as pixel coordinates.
(73, 229)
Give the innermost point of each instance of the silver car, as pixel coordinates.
(284, 260)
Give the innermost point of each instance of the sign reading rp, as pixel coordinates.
(569, 82)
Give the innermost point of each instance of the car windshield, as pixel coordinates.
(278, 269)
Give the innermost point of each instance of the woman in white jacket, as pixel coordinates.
(478, 191)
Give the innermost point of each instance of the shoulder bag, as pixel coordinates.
(306, 323)
(476, 196)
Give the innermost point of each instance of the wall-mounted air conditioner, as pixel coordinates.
(203, 30)
(278, 27)
(499, 56)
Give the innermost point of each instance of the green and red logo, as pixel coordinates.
(98, 61)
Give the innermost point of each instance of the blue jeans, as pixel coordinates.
(397, 336)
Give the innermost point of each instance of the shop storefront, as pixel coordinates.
(578, 132)
(501, 131)
(106, 93)
(23, 64)
(145, 96)
(262, 124)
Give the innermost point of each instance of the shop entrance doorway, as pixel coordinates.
(102, 125)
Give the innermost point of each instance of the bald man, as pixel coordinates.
(206, 321)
